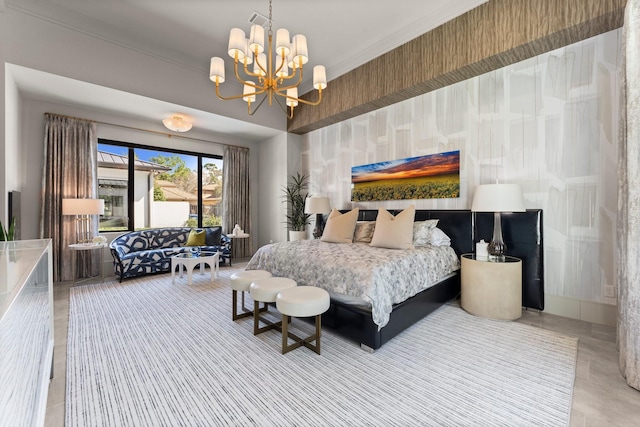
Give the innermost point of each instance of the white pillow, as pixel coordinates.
(439, 238)
(422, 231)
(394, 232)
(340, 227)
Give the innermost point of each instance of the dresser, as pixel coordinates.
(26, 331)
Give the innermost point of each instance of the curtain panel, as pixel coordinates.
(236, 206)
(70, 171)
(628, 232)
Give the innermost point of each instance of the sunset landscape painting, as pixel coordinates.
(436, 176)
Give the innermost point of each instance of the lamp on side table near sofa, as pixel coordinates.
(83, 209)
(318, 206)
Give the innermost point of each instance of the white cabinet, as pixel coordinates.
(26, 331)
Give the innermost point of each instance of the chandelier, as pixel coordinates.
(277, 69)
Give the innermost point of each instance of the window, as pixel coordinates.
(148, 188)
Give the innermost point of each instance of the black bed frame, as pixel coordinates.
(522, 233)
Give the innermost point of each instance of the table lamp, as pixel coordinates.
(497, 198)
(83, 209)
(318, 206)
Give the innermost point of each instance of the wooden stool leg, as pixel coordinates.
(234, 309)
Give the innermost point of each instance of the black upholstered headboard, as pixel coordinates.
(522, 233)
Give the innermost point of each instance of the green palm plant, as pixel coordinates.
(8, 234)
(294, 197)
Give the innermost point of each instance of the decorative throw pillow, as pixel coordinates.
(439, 238)
(394, 232)
(213, 236)
(364, 231)
(196, 238)
(422, 231)
(340, 227)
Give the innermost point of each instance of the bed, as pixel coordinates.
(389, 290)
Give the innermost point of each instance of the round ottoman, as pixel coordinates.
(265, 291)
(240, 282)
(302, 301)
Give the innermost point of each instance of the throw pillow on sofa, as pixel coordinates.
(213, 236)
(196, 238)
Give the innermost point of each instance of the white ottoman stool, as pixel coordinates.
(241, 281)
(302, 301)
(266, 290)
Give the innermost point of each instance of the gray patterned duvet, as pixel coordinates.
(379, 277)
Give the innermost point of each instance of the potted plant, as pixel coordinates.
(7, 234)
(295, 195)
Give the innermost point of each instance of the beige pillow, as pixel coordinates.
(364, 231)
(394, 232)
(340, 227)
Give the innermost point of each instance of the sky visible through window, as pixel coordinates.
(147, 154)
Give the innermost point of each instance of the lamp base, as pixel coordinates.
(317, 232)
(496, 248)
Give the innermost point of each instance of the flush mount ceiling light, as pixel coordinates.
(277, 68)
(178, 123)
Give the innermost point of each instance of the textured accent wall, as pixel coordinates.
(489, 37)
(549, 123)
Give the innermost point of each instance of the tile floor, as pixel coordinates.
(600, 395)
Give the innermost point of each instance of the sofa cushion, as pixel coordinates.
(212, 236)
(196, 238)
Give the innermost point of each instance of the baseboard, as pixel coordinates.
(590, 311)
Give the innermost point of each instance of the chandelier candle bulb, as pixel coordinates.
(319, 77)
(216, 71)
(300, 52)
(249, 92)
(283, 42)
(256, 39)
(292, 93)
(237, 43)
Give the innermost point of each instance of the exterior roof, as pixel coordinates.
(116, 161)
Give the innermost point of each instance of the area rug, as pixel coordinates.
(148, 352)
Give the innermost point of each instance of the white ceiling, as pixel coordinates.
(341, 34)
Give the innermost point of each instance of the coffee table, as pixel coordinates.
(189, 261)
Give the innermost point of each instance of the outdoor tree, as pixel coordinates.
(184, 178)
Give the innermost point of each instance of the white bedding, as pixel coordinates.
(380, 277)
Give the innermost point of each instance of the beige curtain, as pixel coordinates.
(70, 171)
(236, 207)
(629, 203)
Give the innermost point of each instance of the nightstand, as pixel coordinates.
(491, 289)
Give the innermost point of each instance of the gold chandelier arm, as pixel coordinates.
(304, 101)
(296, 84)
(228, 98)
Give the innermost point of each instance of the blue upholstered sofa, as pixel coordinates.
(149, 251)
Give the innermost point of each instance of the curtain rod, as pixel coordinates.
(144, 130)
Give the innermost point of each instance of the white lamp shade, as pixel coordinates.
(292, 97)
(249, 92)
(498, 198)
(237, 43)
(283, 42)
(299, 49)
(256, 38)
(82, 206)
(317, 205)
(216, 70)
(319, 77)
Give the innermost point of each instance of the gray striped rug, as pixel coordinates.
(151, 353)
